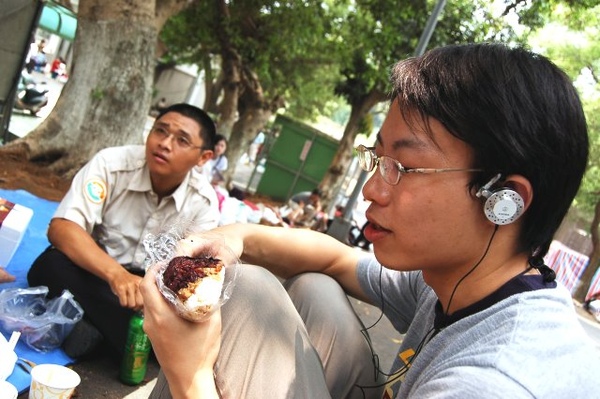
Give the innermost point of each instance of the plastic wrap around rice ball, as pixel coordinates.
(196, 292)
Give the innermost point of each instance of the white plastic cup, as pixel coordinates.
(51, 381)
(8, 390)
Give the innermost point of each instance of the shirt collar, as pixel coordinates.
(180, 193)
(141, 182)
(518, 284)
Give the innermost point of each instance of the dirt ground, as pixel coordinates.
(20, 174)
(16, 173)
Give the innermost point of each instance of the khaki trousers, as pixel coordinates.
(301, 339)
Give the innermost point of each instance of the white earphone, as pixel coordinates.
(502, 205)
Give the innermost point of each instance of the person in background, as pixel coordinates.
(159, 107)
(214, 168)
(36, 58)
(41, 46)
(40, 57)
(121, 195)
(469, 191)
(303, 210)
(255, 148)
(57, 68)
(307, 211)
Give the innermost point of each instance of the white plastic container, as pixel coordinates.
(8, 359)
(8, 390)
(12, 228)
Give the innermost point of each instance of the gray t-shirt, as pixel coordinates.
(529, 345)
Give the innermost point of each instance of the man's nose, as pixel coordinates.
(168, 140)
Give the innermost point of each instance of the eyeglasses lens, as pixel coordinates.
(389, 170)
(365, 158)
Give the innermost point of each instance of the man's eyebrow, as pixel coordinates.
(411, 142)
(167, 125)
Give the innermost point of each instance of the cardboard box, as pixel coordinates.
(14, 219)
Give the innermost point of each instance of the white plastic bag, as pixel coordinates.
(44, 324)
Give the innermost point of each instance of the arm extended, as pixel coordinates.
(72, 240)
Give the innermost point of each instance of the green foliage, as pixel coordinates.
(578, 15)
(366, 125)
(282, 42)
(314, 51)
(189, 39)
(589, 193)
(574, 48)
(381, 32)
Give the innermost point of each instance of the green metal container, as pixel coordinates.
(297, 160)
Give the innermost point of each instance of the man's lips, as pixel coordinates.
(375, 231)
(160, 157)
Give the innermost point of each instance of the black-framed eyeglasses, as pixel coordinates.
(392, 170)
(181, 141)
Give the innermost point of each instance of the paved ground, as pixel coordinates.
(22, 122)
(99, 377)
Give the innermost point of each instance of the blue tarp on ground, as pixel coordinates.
(33, 243)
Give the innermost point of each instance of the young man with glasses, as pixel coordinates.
(120, 196)
(479, 159)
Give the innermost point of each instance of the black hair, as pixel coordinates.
(218, 138)
(317, 192)
(208, 131)
(518, 112)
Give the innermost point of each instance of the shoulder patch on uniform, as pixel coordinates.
(95, 190)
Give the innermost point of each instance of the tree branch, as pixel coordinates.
(512, 6)
(593, 72)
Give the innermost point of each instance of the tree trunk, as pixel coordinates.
(231, 92)
(254, 110)
(231, 65)
(341, 161)
(107, 97)
(592, 266)
(252, 121)
(212, 88)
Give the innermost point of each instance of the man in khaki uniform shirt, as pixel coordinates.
(119, 197)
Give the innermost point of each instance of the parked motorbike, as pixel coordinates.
(31, 95)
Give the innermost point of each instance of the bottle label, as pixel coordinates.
(133, 367)
(141, 343)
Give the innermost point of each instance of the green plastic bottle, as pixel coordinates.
(137, 349)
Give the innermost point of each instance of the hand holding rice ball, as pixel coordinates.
(194, 285)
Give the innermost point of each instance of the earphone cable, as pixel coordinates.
(472, 269)
(428, 336)
(365, 330)
(396, 375)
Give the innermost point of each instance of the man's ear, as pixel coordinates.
(204, 157)
(521, 185)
